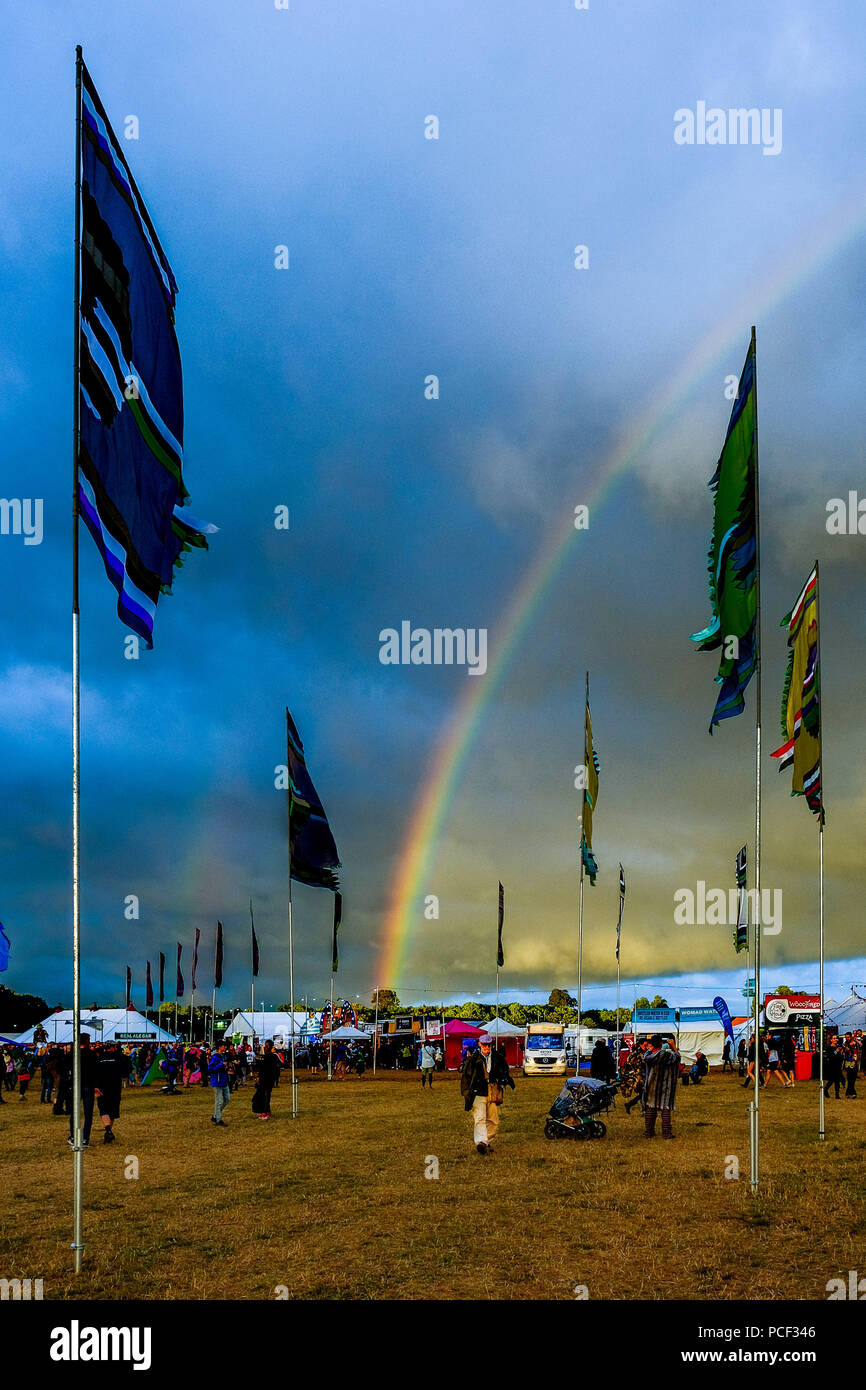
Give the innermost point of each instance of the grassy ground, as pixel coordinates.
(335, 1204)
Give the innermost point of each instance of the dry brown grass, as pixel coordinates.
(335, 1204)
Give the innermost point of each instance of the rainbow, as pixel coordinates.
(451, 757)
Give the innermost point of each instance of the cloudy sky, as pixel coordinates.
(454, 257)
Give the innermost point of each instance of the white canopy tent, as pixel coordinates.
(346, 1034)
(274, 1025)
(58, 1026)
(501, 1028)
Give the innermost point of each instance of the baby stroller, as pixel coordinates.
(573, 1113)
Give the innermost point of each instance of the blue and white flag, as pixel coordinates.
(131, 492)
(721, 1009)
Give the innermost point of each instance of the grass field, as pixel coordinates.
(335, 1204)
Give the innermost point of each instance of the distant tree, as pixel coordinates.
(20, 1011)
(642, 1003)
(785, 989)
(388, 1001)
(517, 1014)
(561, 999)
(659, 1003)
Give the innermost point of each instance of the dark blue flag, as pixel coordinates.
(131, 491)
(5, 948)
(314, 853)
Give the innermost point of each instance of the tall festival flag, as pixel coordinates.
(128, 987)
(178, 989)
(500, 954)
(217, 976)
(588, 783)
(161, 977)
(338, 917)
(801, 751)
(148, 988)
(5, 948)
(735, 624)
(741, 931)
(127, 431)
(313, 859)
(192, 982)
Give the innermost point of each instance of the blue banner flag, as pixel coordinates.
(5, 948)
(721, 1009)
(131, 492)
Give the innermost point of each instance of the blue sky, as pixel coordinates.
(305, 387)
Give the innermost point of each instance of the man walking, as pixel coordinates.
(483, 1079)
(661, 1073)
(428, 1064)
(219, 1080)
(727, 1058)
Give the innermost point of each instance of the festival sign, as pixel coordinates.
(644, 1018)
(783, 1008)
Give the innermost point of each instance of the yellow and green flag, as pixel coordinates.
(801, 699)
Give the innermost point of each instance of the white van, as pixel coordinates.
(545, 1050)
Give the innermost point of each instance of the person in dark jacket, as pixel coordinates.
(833, 1066)
(483, 1079)
(111, 1069)
(219, 1080)
(269, 1071)
(727, 1056)
(700, 1067)
(601, 1066)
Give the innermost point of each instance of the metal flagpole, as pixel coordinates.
(580, 891)
(77, 1136)
(376, 1031)
(291, 942)
(330, 1034)
(755, 1113)
(818, 674)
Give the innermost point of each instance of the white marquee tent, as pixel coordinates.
(58, 1026)
(848, 1015)
(274, 1025)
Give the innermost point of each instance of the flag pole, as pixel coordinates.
(291, 942)
(754, 1127)
(376, 1031)
(821, 1132)
(77, 1156)
(580, 890)
(330, 1034)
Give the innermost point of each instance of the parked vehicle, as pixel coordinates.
(545, 1050)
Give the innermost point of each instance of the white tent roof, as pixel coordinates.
(345, 1033)
(848, 1015)
(58, 1026)
(269, 1024)
(502, 1028)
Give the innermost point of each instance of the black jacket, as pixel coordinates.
(474, 1076)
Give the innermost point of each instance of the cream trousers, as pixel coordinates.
(486, 1117)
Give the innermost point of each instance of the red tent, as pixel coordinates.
(456, 1033)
